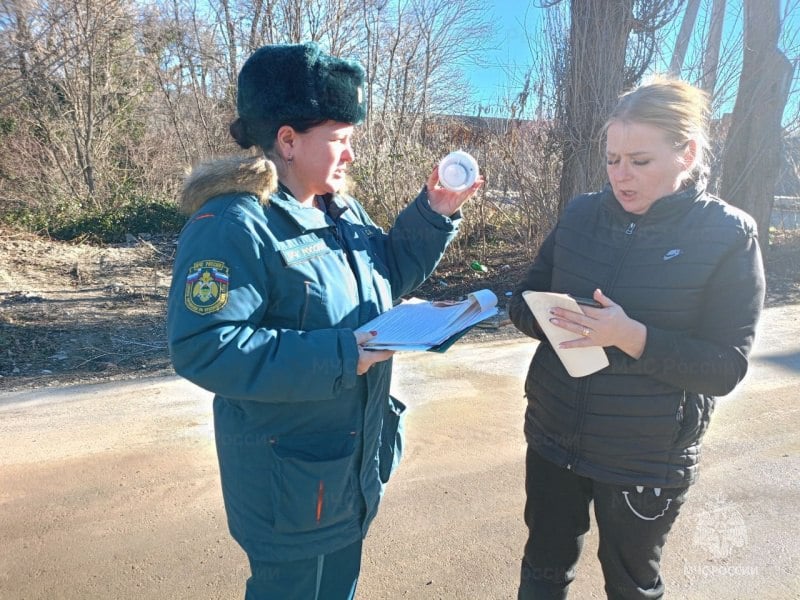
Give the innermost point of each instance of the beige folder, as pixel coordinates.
(579, 362)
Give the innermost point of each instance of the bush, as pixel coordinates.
(141, 215)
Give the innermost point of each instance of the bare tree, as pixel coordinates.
(611, 44)
(523, 150)
(598, 38)
(753, 144)
(790, 42)
(78, 66)
(684, 35)
(412, 49)
(190, 66)
(114, 98)
(708, 60)
(711, 59)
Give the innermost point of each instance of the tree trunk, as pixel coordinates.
(684, 35)
(598, 37)
(711, 59)
(752, 147)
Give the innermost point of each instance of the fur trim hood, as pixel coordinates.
(230, 175)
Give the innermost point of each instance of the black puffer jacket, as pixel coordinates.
(691, 271)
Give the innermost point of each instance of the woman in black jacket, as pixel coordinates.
(679, 281)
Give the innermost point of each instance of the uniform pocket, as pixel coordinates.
(391, 450)
(313, 485)
(313, 307)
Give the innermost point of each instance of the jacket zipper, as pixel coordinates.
(582, 395)
(582, 401)
(348, 267)
(629, 231)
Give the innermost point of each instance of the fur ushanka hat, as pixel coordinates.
(284, 83)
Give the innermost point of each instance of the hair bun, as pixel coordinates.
(238, 131)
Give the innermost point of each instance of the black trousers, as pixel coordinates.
(632, 522)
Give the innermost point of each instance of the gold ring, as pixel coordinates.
(586, 331)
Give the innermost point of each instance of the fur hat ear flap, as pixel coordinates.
(285, 83)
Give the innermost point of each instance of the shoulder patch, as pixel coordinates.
(206, 286)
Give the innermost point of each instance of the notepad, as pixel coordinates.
(420, 325)
(579, 362)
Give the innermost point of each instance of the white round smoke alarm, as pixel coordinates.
(458, 171)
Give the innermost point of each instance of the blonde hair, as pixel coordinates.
(676, 107)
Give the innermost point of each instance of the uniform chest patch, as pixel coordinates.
(206, 287)
(303, 252)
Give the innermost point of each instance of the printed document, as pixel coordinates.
(420, 325)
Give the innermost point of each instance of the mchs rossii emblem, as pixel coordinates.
(206, 286)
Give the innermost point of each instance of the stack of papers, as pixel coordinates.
(419, 325)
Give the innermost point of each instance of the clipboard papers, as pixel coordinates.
(419, 325)
(579, 362)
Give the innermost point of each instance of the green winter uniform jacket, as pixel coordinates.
(265, 296)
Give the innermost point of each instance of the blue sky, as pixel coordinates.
(507, 63)
(511, 58)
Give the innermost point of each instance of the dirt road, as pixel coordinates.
(112, 491)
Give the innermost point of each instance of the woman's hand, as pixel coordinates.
(447, 202)
(367, 358)
(606, 326)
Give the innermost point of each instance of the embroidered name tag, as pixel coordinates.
(303, 252)
(371, 231)
(206, 286)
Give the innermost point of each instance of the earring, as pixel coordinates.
(290, 160)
